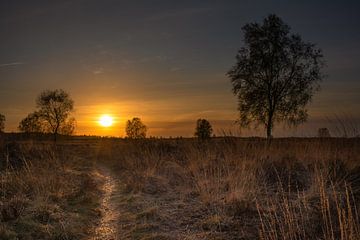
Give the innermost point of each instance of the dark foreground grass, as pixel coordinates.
(224, 188)
(230, 188)
(47, 192)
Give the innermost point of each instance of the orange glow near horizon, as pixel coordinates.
(106, 120)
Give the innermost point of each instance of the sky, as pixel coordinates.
(163, 61)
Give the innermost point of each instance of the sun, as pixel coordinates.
(106, 121)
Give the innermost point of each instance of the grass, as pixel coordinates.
(224, 188)
(46, 193)
(230, 188)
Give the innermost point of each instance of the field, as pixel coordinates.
(223, 188)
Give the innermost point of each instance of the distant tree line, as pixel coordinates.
(136, 129)
(53, 115)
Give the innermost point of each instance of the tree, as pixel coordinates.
(68, 128)
(203, 129)
(135, 129)
(32, 123)
(2, 122)
(55, 107)
(323, 133)
(275, 76)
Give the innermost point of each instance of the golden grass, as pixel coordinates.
(231, 188)
(45, 193)
(224, 188)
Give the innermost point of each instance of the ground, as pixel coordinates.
(224, 188)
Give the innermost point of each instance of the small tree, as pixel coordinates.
(203, 129)
(55, 108)
(275, 76)
(32, 123)
(135, 129)
(323, 133)
(2, 122)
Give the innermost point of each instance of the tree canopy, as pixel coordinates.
(275, 75)
(54, 107)
(135, 129)
(32, 123)
(53, 114)
(203, 129)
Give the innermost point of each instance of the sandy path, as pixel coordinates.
(107, 228)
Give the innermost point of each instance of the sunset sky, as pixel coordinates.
(163, 61)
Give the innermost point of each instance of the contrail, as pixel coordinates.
(11, 64)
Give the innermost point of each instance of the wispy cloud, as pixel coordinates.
(99, 70)
(11, 64)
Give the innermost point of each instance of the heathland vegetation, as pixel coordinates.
(222, 188)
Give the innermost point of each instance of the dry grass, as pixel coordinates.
(46, 193)
(225, 188)
(231, 188)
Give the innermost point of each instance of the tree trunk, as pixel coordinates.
(269, 126)
(56, 132)
(268, 132)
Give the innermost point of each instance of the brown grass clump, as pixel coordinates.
(229, 188)
(43, 194)
(222, 188)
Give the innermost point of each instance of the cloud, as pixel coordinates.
(99, 70)
(93, 68)
(11, 64)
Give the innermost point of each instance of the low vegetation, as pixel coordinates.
(224, 188)
(47, 191)
(230, 188)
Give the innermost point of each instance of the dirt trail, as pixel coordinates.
(107, 228)
(155, 212)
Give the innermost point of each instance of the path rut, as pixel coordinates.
(107, 227)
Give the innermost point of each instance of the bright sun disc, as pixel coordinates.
(106, 121)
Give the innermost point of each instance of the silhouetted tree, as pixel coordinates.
(55, 107)
(203, 129)
(2, 122)
(32, 123)
(275, 76)
(135, 129)
(69, 127)
(323, 133)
